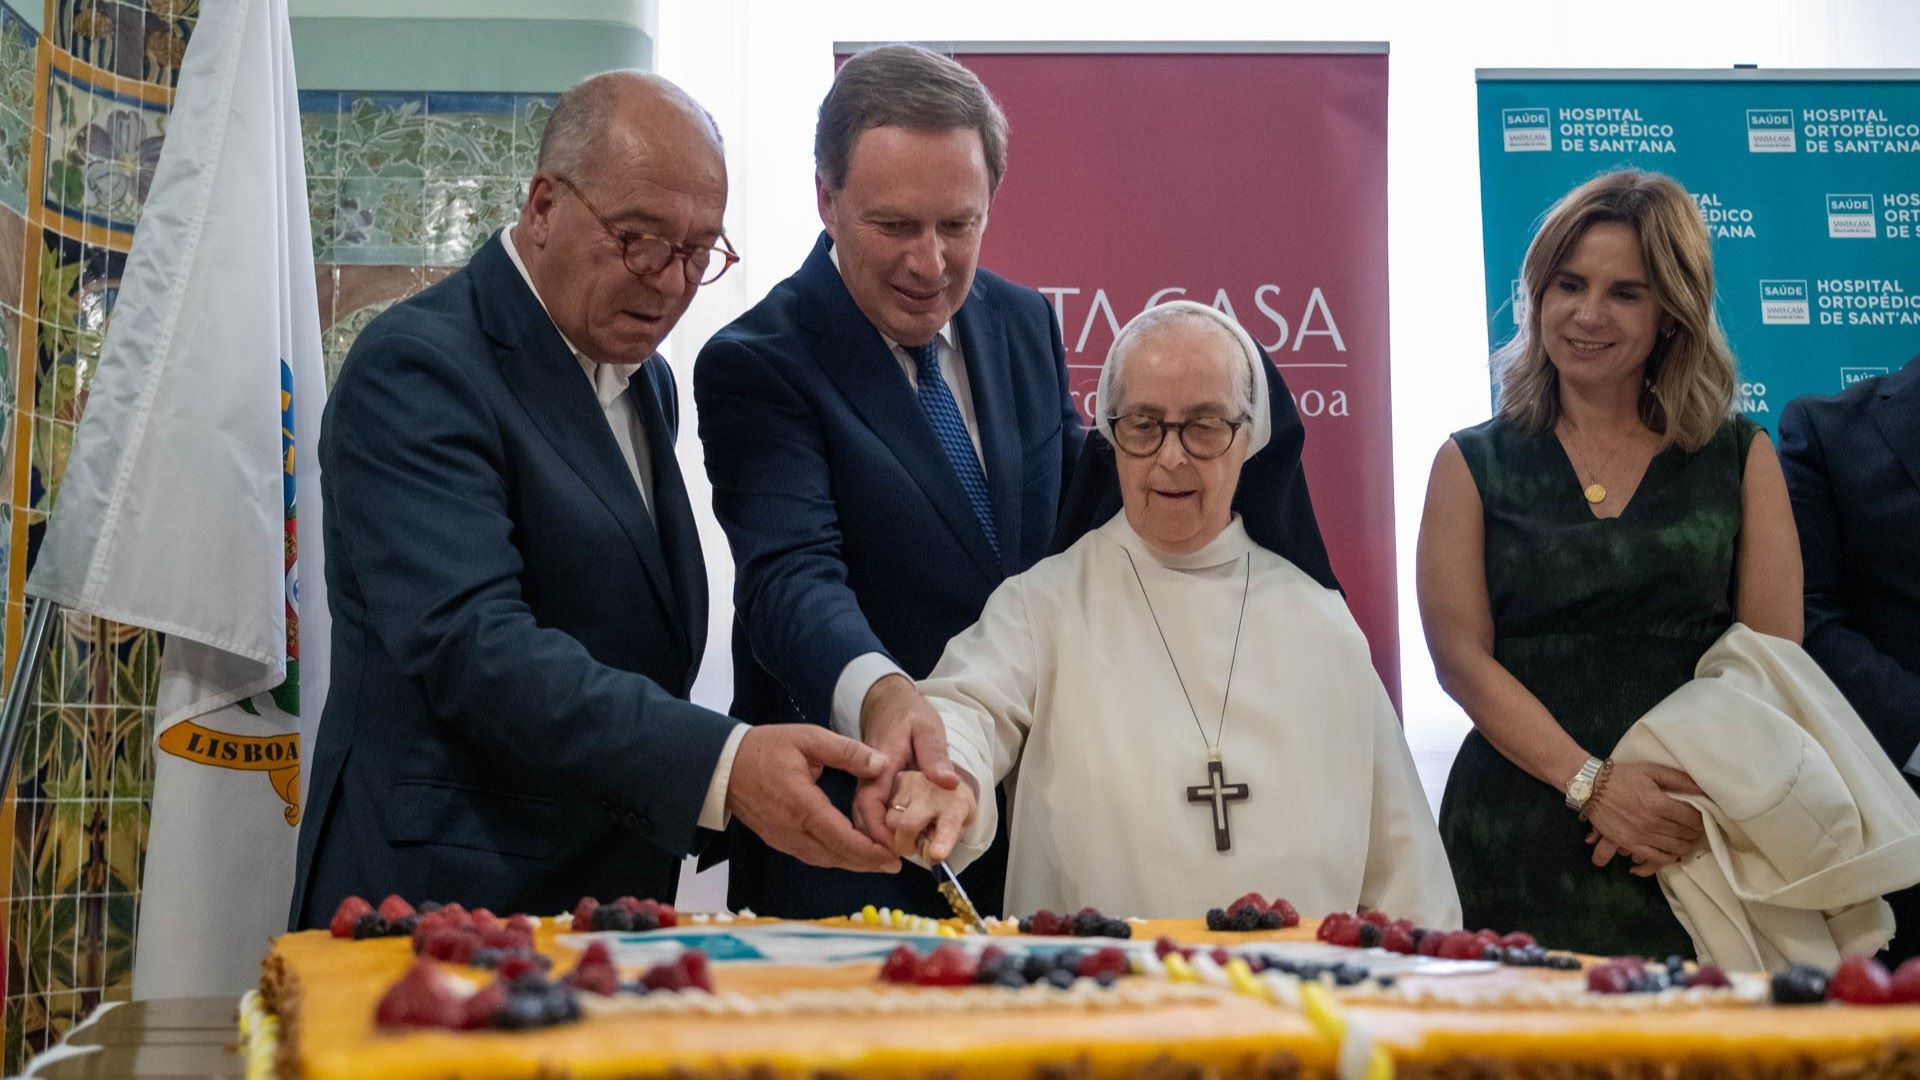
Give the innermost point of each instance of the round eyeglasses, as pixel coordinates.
(645, 254)
(1203, 437)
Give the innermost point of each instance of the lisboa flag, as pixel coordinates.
(191, 501)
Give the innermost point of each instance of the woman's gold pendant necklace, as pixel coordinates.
(1595, 491)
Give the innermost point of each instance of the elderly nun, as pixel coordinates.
(1185, 716)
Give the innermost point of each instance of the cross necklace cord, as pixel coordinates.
(1216, 790)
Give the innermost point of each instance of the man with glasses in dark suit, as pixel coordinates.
(518, 592)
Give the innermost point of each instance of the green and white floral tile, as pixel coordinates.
(382, 135)
(320, 132)
(379, 221)
(16, 62)
(15, 135)
(469, 135)
(454, 215)
(323, 198)
(500, 199)
(530, 114)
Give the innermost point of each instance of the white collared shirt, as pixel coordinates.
(609, 383)
(857, 678)
(953, 368)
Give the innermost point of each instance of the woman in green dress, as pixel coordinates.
(1579, 552)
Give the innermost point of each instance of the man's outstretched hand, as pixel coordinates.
(774, 791)
(896, 721)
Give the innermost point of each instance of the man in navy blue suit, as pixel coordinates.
(518, 594)
(1853, 467)
(889, 435)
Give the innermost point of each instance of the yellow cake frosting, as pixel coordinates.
(1177, 1019)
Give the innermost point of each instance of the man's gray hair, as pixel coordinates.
(1241, 354)
(911, 87)
(583, 114)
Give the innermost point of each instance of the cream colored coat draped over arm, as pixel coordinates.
(1065, 677)
(1808, 824)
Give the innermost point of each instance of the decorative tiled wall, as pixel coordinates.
(82, 116)
(402, 187)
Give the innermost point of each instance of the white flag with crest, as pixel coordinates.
(191, 501)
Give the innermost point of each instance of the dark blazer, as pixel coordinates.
(1853, 467)
(513, 635)
(850, 531)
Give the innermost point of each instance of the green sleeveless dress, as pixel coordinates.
(1600, 620)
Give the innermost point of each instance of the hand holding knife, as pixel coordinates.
(949, 885)
(918, 811)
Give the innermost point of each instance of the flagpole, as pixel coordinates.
(26, 671)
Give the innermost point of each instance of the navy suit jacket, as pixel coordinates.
(513, 635)
(849, 528)
(1853, 467)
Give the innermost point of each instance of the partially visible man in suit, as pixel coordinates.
(1853, 467)
(888, 434)
(517, 587)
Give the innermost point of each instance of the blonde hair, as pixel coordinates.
(1689, 385)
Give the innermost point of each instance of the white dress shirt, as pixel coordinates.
(609, 382)
(857, 678)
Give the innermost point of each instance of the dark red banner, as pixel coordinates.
(1254, 181)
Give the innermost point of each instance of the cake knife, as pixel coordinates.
(948, 883)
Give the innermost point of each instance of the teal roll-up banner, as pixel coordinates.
(1809, 181)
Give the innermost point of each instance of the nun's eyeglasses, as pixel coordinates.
(1203, 437)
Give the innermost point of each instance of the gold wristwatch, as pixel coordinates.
(1580, 788)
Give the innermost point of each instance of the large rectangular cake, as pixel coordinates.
(456, 996)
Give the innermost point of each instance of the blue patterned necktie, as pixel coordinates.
(943, 414)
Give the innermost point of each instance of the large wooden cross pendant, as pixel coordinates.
(1218, 792)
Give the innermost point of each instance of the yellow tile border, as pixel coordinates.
(26, 373)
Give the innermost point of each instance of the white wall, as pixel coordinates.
(762, 66)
